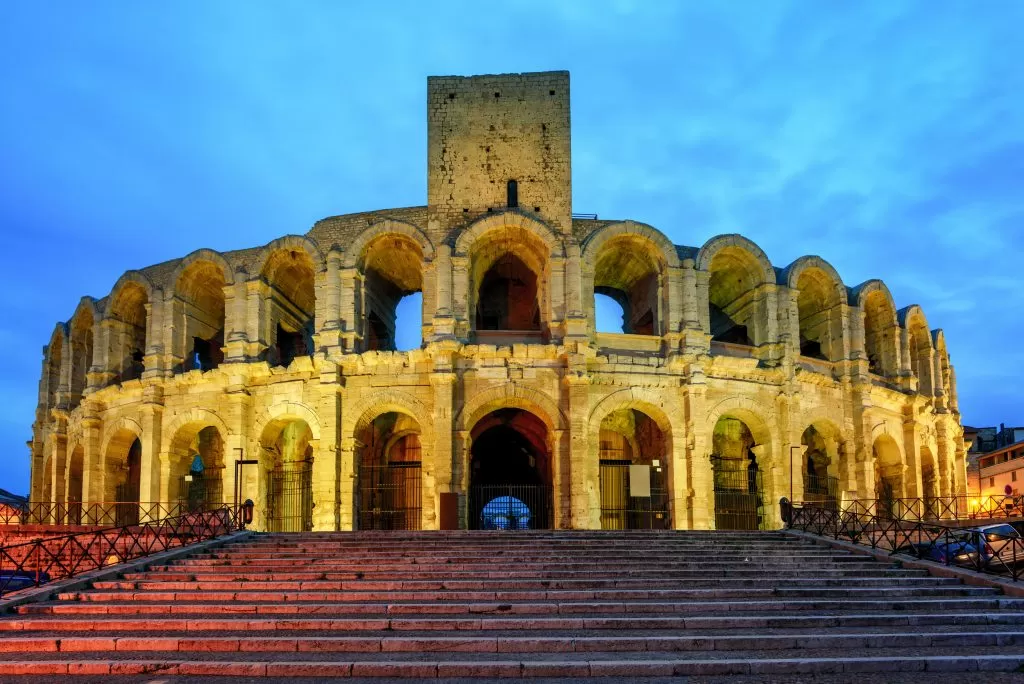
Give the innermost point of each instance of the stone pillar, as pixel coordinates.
(153, 468)
(326, 462)
(556, 309)
(152, 360)
(174, 334)
(911, 481)
(257, 323)
(681, 493)
(58, 456)
(461, 303)
(347, 483)
(236, 307)
(350, 309)
(584, 459)
(438, 469)
(945, 458)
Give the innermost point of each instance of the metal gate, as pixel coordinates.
(510, 507)
(290, 499)
(621, 511)
(126, 510)
(198, 492)
(821, 490)
(739, 503)
(389, 496)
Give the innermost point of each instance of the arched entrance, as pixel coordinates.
(510, 472)
(288, 459)
(633, 472)
(888, 474)
(75, 466)
(821, 463)
(388, 492)
(739, 493)
(126, 491)
(197, 467)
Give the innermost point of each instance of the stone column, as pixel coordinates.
(326, 462)
(236, 308)
(584, 469)
(438, 469)
(350, 309)
(153, 362)
(153, 469)
(911, 480)
(461, 303)
(681, 486)
(347, 483)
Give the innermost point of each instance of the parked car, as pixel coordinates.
(14, 580)
(1001, 545)
(958, 548)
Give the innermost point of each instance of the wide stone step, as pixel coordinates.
(536, 644)
(511, 573)
(613, 665)
(542, 595)
(525, 623)
(139, 607)
(479, 585)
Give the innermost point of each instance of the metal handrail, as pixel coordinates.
(106, 513)
(940, 507)
(967, 547)
(32, 563)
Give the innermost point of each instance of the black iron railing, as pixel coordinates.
(30, 564)
(940, 507)
(996, 549)
(620, 510)
(104, 513)
(390, 497)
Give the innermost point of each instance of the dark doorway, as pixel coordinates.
(509, 482)
(127, 493)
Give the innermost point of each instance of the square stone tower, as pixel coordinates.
(498, 141)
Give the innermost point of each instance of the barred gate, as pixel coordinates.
(196, 492)
(510, 507)
(127, 509)
(621, 511)
(390, 496)
(290, 499)
(739, 500)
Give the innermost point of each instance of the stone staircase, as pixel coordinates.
(423, 605)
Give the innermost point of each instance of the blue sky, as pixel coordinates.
(887, 137)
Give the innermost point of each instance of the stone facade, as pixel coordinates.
(281, 354)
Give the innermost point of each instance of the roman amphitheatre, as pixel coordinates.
(270, 373)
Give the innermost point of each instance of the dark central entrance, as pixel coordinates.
(509, 473)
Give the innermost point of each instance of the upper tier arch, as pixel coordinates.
(203, 254)
(593, 242)
(354, 253)
(291, 242)
(720, 242)
(790, 276)
(464, 239)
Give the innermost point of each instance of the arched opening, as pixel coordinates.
(888, 474)
(821, 463)
(929, 484)
(737, 311)
(128, 320)
(81, 352)
(123, 473)
(392, 267)
(508, 278)
(510, 472)
(389, 474)
(288, 460)
(627, 270)
(199, 314)
(75, 466)
(880, 334)
(819, 311)
(291, 307)
(920, 353)
(609, 314)
(197, 467)
(633, 472)
(507, 298)
(739, 494)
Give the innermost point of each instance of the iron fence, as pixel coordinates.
(104, 513)
(196, 492)
(821, 490)
(622, 511)
(994, 549)
(30, 564)
(290, 499)
(510, 507)
(739, 500)
(390, 496)
(940, 507)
